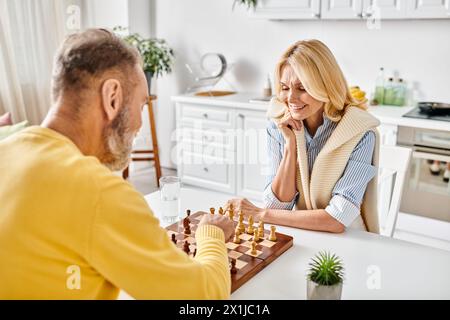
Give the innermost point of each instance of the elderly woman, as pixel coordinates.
(322, 146)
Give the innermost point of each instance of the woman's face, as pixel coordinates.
(301, 104)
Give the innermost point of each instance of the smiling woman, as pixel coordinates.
(322, 145)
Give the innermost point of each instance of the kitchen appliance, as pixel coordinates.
(434, 107)
(430, 110)
(426, 194)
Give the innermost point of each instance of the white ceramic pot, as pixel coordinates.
(319, 292)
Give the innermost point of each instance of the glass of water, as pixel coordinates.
(170, 198)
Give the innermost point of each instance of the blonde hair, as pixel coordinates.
(321, 76)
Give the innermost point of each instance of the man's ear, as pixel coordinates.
(112, 97)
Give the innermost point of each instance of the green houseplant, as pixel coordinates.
(157, 56)
(248, 3)
(325, 277)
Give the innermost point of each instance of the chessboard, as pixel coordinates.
(246, 256)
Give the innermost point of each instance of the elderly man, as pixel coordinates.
(69, 227)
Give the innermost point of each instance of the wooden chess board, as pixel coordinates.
(247, 264)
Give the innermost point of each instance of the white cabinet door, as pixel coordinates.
(287, 9)
(428, 9)
(205, 149)
(252, 162)
(385, 9)
(341, 9)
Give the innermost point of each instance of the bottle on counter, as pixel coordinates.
(389, 92)
(268, 87)
(400, 93)
(414, 95)
(378, 97)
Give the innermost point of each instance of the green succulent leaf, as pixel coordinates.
(326, 269)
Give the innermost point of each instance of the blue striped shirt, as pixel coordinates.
(349, 190)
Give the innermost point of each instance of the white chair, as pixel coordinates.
(393, 165)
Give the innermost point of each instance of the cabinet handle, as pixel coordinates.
(205, 169)
(367, 14)
(205, 115)
(240, 115)
(316, 15)
(359, 15)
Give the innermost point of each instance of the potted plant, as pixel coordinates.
(157, 56)
(248, 3)
(325, 277)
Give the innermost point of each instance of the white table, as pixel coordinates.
(406, 270)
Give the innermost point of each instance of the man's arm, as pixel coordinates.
(131, 250)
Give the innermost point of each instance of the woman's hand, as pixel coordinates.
(248, 208)
(287, 125)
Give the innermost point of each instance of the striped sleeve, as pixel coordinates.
(275, 146)
(349, 191)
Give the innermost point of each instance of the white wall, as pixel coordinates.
(107, 13)
(418, 50)
(140, 17)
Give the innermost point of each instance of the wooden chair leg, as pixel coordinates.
(154, 140)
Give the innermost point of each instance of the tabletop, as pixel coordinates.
(376, 267)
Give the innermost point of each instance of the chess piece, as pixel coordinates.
(241, 222)
(261, 229)
(253, 251)
(272, 236)
(256, 235)
(174, 239)
(186, 247)
(250, 229)
(221, 211)
(212, 210)
(231, 214)
(188, 212)
(236, 238)
(233, 269)
(195, 252)
(261, 225)
(186, 225)
(261, 233)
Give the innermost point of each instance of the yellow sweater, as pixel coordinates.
(70, 229)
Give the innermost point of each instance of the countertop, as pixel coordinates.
(386, 114)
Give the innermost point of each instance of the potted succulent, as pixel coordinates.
(325, 277)
(157, 56)
(248, 3)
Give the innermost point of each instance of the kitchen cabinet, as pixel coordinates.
(252, 162)
(287, 9)
(205, 147)
(385, 9)
(428, 8)
(341, 9)
(363, 9)
(352, 9)
(222, 148)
